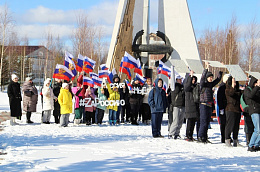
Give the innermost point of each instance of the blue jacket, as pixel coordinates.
(157, 99)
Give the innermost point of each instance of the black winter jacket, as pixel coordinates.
(177, 96)
(206, 95)
(233, 99)
(15, 98)
(136, 98)
(221, 96)
(252, 98)
(191, 108)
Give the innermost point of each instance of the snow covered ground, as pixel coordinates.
(43, 147)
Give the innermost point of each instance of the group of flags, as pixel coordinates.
(71, 66)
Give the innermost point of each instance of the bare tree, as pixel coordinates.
(5, 22)
(252, 46)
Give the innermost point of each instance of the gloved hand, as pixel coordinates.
(221, 112)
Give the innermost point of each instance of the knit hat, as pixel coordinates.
(48, 80)
(209, 74)
(28, 79)
(64, 85)
(225, 77)
(14, 76)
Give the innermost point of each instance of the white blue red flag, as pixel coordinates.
(80, 63)
(140, 78)
(69, 63)
(129, 85)
(103, 73)
(130, 62)
(103, 67)
(62, 72)
(88, 81)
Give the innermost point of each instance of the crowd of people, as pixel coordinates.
(190, 100)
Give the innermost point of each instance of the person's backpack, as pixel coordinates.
(243, 105)
(196, 93)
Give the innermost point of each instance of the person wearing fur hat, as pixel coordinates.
(30, 98)
(65, 101)
(222, 103)
(15, 98)
(206, 101)
(48, 103)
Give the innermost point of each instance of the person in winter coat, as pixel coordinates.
(252, 98)
(116, 80)
(222, 103)
(56, 91)
(177, 109)
(248, 126)
(101, 107)
(113, 96)
(48, 103)
(89, 107)
(15, 98)
(233, 112)
(206, 102)
(158, 104)
(65, 101)
(125, 109)
(30, 98)
(145, 108)
(79, 107)
(191, 107)
(135, 101)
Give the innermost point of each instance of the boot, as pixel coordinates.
(12, 121)
(236, 143)
(228, 143)
(248, 137)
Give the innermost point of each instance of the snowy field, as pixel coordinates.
(43, 147)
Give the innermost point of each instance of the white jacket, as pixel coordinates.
(48, 98)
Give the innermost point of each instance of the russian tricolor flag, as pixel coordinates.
(163, 69)
(97, 81)
(89, 61)
(140, 78)
(62, 72)
(103, 73)
(70, 64)
(125, 70)
(103, 67)
(80, 63)
(129, 85)
(164, 86)
(110, 77)
(88, 81)
(130, 62)
(139, 69)
(92, 74)
(67, 54)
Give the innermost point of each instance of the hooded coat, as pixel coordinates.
(15, 98)
(191, 108)
(113, 95)
(233, 97)
(65, 101)
(48, 97)
(30, 97)
(252, 98)
(101, 97)
(157, 99)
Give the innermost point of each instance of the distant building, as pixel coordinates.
(35, 58)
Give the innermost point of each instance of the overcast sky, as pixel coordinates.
(34, 17)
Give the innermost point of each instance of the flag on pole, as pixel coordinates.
(80, 63)
(130, 62)
(92, 74)
(140, 78)
(62, 72)
(88, 81)
(138, 69)
(164, 86)
(103, 73)
(125, 70)
(97, 81)
(129, 85)
(103, 67)
(69, 63)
